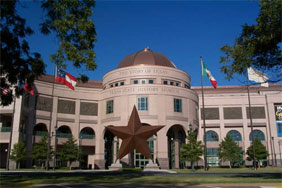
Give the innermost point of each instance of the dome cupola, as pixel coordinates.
(146, 57)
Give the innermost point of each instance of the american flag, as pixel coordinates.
(5, 91)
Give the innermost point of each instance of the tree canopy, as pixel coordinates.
(68, 20)
(229, 151)
(70, 151)
(18, 64)
(258, 45)
(18, 153)
(260, 151)
(39, 151)
(194, 153)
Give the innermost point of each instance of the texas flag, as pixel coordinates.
(206, 72)
(65, 78)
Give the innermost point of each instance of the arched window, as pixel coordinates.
(40, 129)
(87, 133)
(211, 136)
(64, 132)
(235, 135)
(257, 134)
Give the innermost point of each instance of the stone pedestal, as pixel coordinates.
(152, 166)
(115, 166)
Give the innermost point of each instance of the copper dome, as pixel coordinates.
(146, 57)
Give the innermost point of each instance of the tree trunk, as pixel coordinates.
(258, 164)
(17, 165)
(70, 165)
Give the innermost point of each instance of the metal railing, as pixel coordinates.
(5, 129)
(87, 136)
(40, 133)
(63, 135)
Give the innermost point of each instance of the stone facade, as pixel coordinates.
(162, 95)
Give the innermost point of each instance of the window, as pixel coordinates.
(211, 136)
(186, 86)
(279, 128)
(110, 107)
(236, 136)
(121, 83)
(116, 84)
(112, 85)
(142, 103)
(151, 81)
(257, 134)
(165, 82)
(177, 83)
(171, 83)
(143, 81)
(212, 152)
(135, 82)
(177, 105)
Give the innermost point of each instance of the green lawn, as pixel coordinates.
(232, 170)
(129, 178)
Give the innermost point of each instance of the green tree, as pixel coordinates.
(70, 151)
(39, 151)
(196, 150)
(258, 45)
(70, 22)
(18, 64)
(18, 153)
(260, 151)
(229, 151)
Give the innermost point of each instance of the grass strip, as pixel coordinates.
(135, 178)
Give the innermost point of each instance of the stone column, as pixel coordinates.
(15, 132)
(162, 146)
(177, 142)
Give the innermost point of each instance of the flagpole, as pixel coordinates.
(251, 121)
(204, 118)
(50, 122)
(11, 135)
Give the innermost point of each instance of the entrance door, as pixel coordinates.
(140, 160)
(171, 154)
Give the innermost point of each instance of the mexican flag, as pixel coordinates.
(206, 72)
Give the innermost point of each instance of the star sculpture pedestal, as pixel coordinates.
(116, 165)
(134, 136)
(152, 166)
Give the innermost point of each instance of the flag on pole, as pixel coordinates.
(257, 76)
(28, 88)
(65, 78)
(206, 72)
(5, 91)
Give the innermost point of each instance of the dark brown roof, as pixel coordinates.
(237, 89)
(89, 84)
(146, 57)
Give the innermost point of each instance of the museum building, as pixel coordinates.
(162, 95)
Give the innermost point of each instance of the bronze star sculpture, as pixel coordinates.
(134, 136)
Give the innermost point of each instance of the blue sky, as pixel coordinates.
(181, 30)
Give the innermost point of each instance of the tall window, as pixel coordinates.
(177, 105)
(142, 103)
(211, 136)
(236, 136)
(110, 107)
(257, 134)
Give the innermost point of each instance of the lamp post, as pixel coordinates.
(279, 142)
(55, 147)
(191, 147)
(275, 162)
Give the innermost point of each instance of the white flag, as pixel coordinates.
(259, 77)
